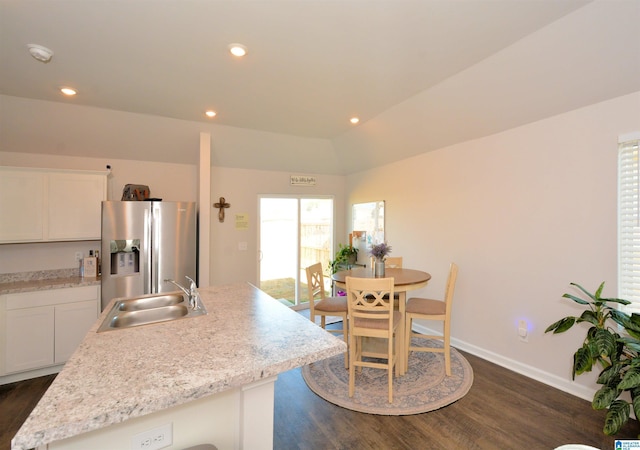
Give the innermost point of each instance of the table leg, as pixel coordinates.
(401, 359)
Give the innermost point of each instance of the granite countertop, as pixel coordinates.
(14, 283)
(41, 285)
(118, 375)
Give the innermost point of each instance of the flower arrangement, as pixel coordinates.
(380, 251)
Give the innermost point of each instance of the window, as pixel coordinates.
(629, 219)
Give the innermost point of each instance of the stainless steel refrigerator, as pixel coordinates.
(144, 243)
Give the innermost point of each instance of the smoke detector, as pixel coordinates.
(42, 54)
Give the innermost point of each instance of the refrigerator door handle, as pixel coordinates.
(148, 242)
(156, 221)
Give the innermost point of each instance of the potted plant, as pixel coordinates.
(380, 252)
(603, 346)
(345, 256)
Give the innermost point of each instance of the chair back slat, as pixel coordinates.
(315, 285)
(368, 298)
(451, 286)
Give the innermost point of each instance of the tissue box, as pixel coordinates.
(90, 267)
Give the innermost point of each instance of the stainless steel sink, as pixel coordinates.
(148, 309)
(155, 301)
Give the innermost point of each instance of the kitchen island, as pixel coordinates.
(210, 378)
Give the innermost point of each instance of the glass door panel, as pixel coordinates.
(294, 233)
(316, 239)
(279, 248)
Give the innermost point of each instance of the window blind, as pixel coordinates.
(629, 223)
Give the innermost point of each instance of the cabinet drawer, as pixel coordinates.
(51, 297)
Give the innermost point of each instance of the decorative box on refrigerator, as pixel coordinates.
(145, 243)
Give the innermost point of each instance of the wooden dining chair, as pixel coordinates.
(326, 306)
(372, 315)
(393, 262)
(428, 309)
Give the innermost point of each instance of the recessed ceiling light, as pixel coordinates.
(210, 113)
(354, 120)
(238, 50)
(68, 91)
(42, 54)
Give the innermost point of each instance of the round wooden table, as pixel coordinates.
(403, 280)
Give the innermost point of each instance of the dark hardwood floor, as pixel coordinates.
(16, 402)
(503, 410)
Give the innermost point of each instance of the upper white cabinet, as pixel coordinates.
(50, 205)
(74, 205)
(21, 203)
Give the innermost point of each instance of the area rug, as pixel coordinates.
(424, 387)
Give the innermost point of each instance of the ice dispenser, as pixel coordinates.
(125, 256)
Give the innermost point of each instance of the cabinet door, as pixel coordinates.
(29, 342)
(21, 203)
(74, 210)
(72, 322)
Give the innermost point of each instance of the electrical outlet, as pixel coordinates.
(523, 331)
(78, 256)
(155, 439)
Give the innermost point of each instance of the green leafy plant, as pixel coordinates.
(603, 346)
(345, 256)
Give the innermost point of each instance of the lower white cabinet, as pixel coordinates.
(43, 328)
(72, 321)
(28, 338)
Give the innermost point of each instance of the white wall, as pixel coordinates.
(523, 213)
(241, 188)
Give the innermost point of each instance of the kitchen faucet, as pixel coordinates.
(192, 293)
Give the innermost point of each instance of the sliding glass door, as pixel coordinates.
(295, 232)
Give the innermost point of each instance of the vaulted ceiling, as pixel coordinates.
(440, 71)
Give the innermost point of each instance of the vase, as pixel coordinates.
(378, 270)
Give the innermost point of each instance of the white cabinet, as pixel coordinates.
(43, 328)
(29, 335)
(74, 205)
(50, 205)
(21, 201)
(72, 321)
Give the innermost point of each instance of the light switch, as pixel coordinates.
(242, 246)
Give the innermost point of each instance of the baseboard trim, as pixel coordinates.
(565, 385)
(21, 376)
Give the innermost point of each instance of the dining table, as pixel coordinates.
(404, 280)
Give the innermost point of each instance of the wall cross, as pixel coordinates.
(221, 205)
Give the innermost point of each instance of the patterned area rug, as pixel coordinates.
(424, 387)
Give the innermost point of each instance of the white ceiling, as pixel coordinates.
(312, 64)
